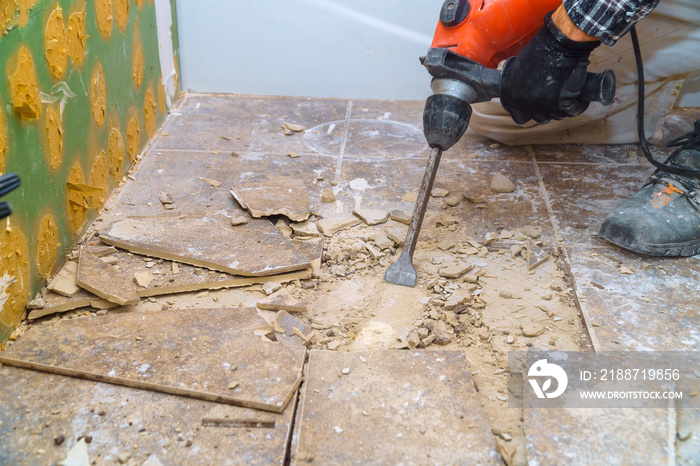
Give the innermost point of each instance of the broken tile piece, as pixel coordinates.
(410, 197)
(439, 192)
(531, 231)
(254, 249)
(532, 329)
(372, 217)
(165, 198)
(327, 196)
(293, 127)
(104, 280)
(288, 323)
(281, 301)
(143, 279)
(535, 255)
(329, 226)
(64, 281)
(307, 228)
(455, 271)
(213, 183)
(270, 287)
(240, 220)
(400, 216)
(501, 184)
(265, 195)
(452, 201)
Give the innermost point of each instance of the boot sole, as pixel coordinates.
(683, 249)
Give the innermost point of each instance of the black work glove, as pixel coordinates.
(545, 80)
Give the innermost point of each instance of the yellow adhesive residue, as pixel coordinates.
(103, 14)
(133, 138)
(47, 246)
(137, 58)
(56, 49)
(99, 181)
(7, 15)
(117, 151)
(76, 36)
(77, 196)
(14, 274)
(54, 137)
(149, 112)
(24, 7)
(161, 96)
(25, 97)
(121, 14)
(98, 95)
(139, 3)
(3, 138)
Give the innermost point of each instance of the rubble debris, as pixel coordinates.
(439, 192)
(266, 195)
(307, 228)
(383, 242)
(531, 231)
(410, 197)
(474, 198)
(284, 228)
(270, 287)
(143, 279)
(165, 198)
(77, 455)
(452, 201)
(532, 330)
(455, 271)
(535, 255)
(36, 303)
(400, 217)
(105, 280)
(333, 345)
(281, 301)
(439, 330)
(64, 281)
(327, 196)
(240, 220)
(213, 183)
(287, 323)
(293, 155)
(458, 296)
(626, 270)
(396, 235)
(254, 249)
(329, 226)
(291, 128)
(501, 184)
(372, 217)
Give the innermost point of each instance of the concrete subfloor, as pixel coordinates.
(371, 153)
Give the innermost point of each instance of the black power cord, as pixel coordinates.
(640, 117)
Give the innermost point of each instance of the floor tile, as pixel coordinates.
(392, 407)
(582, 195)
(39, 407)
(244, 123)
(578, 436)
(655, 308)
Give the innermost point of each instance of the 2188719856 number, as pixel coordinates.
(639, 374)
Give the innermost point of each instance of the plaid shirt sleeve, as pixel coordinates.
(607, 19)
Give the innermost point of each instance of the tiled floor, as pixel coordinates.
(374, 152)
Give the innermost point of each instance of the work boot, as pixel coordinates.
(663, 218)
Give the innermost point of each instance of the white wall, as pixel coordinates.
(323, 48)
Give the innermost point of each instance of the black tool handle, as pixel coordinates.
(599, 87)
(8, 182)
(5, 210)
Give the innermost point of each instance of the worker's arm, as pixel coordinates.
(543, 82)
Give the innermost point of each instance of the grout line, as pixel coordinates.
(344, 141)
(564, 251)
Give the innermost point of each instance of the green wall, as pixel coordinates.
(73, 144)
